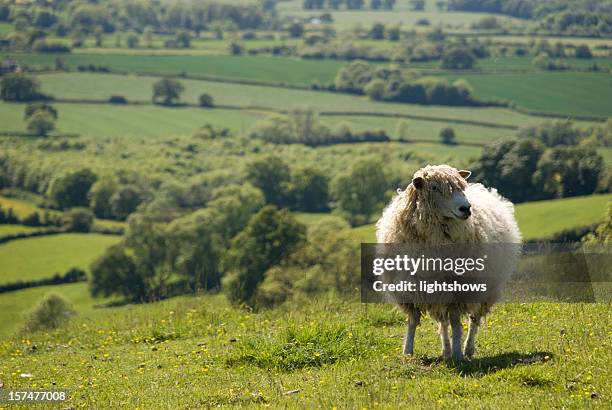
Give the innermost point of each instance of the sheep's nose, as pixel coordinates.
(465, 209)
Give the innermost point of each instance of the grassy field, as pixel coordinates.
(21, 207)
(540, 219)
(41, 257)
(199, 352)
(262, 68)
(568, 93)
(8, 229)
(101, 86)
(101, 120)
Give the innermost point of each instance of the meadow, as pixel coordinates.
(42, 257)
(326, 353)
(540, 219)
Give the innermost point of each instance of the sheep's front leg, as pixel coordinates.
(455, 322)
(413, 321)
(444, 338)
(470, 341)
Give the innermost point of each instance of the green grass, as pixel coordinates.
(102, 120)
(538, 220)
(544, 218)
(8, 229)
(262, 68)
(21, 207)
(100, 86)
(570, 93)
(41, 257)
(199, 352)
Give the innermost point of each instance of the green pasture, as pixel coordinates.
(324, 352)
(105, 120)
(260, 68)
(538, 220)
(41, 257)
(570, 93)
(21, 207)
(9, 229)
(139, 88)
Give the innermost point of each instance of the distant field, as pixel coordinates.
(262, 68)
(102, 86)
(15, 305)
(41, 257)
(5, 28)
(8, 229)
(539, 219)
(101, 120)
(21, 208)
(562, 93)
(523, 63)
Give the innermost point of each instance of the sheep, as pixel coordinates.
(439, 207)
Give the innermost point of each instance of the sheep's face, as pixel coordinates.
(442, 190)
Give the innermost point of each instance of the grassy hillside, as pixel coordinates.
(560, 93)
(200, 352)
(539, 219)
(41, 257)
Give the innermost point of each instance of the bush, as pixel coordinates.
(50, 313)
(447, 136)
(20, 88)
(41, 123)
(79, 220)
(41, 46)
(117, 99)
(32, 108)
(583, 51)
(206, 100)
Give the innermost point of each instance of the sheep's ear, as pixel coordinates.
(418, 182)
(465, 174)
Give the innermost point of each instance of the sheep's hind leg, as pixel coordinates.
(444, 338)
(455, 322)
(413, 321)
(470, 341)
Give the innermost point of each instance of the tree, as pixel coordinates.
(33, 108)
(71, 190)
(402, 130)
(375, 4)
(389, 4)
(99, 36)
(309, 190)
(78, 220)
(206, 100)
(603, 232)
(270, 236)
(125, 201)
(19, 88)
(353, 77)
(114, 273)
(583, 51)
(360, 191)
(183, 39)
(447, 136)
(235, 48)
(458, 58)
(417, 5)
(132, 40)
(296, 29)
(354, 4)
(100, 196)
(41, 123)
(378, 31)
(148, 36)
(168, 90)
(271, 175)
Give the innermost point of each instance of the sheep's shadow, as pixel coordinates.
(490, 364)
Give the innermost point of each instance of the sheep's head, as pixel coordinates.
(441, 189)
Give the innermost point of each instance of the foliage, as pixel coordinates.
(270, 236)
(78, 220)
(361, 190)
(41, 123)
(100, 196)
(206, 100)
(603, 232)
(271, 175)
(114, 273)
(447, 136)
(168, 90)
(20, 88)
(32, 108)
(458, 58)
(71, 190)
(50, 313)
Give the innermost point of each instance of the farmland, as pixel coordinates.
(54, 254)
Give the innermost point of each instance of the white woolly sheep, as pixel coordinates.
(439, 207)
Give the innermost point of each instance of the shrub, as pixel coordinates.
(41, 123)
(41, 46)
(50, 313)
(206, 100)
(20, 88)
(32, 108)
(79, 220)
(583, 51)
(447, 136)
(117, 99)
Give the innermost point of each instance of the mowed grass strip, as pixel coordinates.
(41, 257)
(105, 120)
